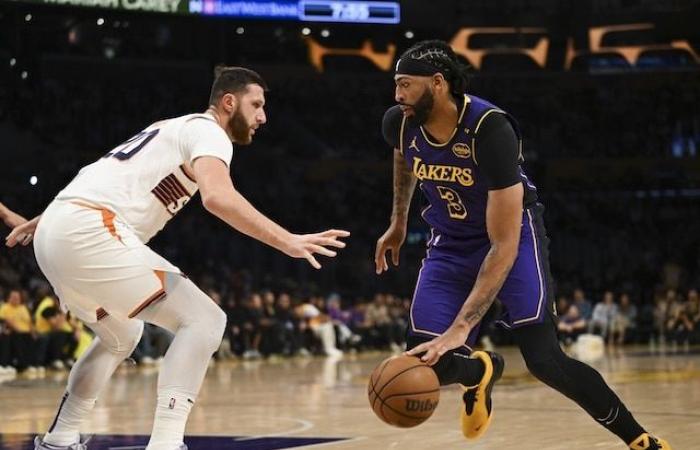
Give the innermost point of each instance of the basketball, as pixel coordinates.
(403, 391)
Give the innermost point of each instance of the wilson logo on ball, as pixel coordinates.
(420, 405)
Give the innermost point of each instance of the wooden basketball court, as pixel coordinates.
(322, 403)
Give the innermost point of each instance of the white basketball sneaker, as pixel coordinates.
(39, 444)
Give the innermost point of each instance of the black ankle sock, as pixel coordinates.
(456, 368)
(453, 367)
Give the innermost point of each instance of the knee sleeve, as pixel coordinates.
(214, 326)
(119, 336)
(187, 308)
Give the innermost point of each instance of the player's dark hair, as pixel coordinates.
(233, 80)
(440, 55)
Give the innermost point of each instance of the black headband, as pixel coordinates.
(410, 66)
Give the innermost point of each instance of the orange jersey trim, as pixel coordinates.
(107, 218)
(158, 296)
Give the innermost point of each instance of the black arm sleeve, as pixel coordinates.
(497, 152)
(391, 126)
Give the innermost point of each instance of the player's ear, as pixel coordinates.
(439, 81)
(229, 102)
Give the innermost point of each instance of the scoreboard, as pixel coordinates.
(348, 11)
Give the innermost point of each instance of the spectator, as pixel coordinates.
(583, 305)
(340, 320)
(321, 326)
(379, 321)
(562, 305)
(252, 313)
(604, 315)
(60, 339)
(234, 323)
(289, 327)
(21, 331)
(571, 325)
(661, 308)
(625, 321)
(271, 337)
(674, 327)
(6, 367)
(693, 316)
(54, 333)
(682, 320)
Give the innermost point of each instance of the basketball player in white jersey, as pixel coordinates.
(91, 245)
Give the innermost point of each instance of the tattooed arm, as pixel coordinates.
(504, 214)
(393, 238)
(404, 185)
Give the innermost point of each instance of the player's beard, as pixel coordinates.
(422, 109)
(240, 130)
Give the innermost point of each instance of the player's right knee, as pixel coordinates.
(122, 340)
(214, 326)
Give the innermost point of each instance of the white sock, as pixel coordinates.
(69, 418)
(172, 411)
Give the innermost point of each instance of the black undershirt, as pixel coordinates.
(496, 149)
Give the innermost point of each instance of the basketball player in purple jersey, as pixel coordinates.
(487, 240)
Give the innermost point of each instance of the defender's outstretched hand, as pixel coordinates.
(306, 245)
(391, 240)
(22, 234)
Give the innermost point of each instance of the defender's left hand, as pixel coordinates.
(22, 234)
(454, 337)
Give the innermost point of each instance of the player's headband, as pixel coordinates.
(410, 66)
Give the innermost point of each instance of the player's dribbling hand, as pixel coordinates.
(391, 240)
(22, 234)
(455, 336)
(306, 245)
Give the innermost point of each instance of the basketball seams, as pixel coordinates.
(392, 415)
(379, 377)
(410, 393)
(396, 375)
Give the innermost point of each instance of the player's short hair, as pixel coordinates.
(233, 80)
(440, 55)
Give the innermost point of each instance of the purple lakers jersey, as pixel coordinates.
(449, 174)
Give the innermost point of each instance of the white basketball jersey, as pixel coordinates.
(142, 180)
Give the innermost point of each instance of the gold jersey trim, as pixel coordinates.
(467, 100)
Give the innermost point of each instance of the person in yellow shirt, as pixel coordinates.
(52, 331)
(18, 321)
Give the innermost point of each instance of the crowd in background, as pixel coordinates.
(35, 334)
(673, 318)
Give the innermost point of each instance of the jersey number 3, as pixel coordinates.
(132, 145)
(455, 207)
